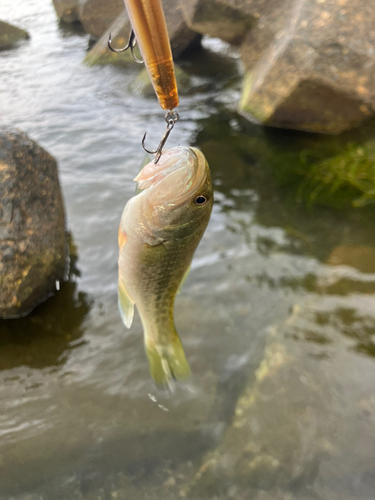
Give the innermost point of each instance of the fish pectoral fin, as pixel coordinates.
(126, 305)
(152, 254)
(184, 279)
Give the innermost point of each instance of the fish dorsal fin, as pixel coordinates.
(184, 279)
(126, 305)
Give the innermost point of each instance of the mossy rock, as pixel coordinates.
(33, 245)
(10, 35)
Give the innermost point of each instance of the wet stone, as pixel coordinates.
(10, 35)
(66, 10)
(317, 71)
(217, 18)
(32, 225)
(97, 16)
(296, 429)
(358, 256)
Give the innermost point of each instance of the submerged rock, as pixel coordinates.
(304, 426)
(360, 257)
(96, 16)
(317, 74)
(33, 246)
(9, 35)
(66, 10)
(181, 37)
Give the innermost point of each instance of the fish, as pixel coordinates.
(159, 232)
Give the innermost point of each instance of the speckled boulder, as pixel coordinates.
(218, 18)
(318, 73)
(97, 16)
(9, 35)
(66, 10)
(181, 37)
(33, 245)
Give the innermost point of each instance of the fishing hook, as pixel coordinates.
(131, 44)
(171, 119)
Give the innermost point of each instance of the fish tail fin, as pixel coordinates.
(167, 362)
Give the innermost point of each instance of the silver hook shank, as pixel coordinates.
(171, 118)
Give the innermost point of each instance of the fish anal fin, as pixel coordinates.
(167, 363)
(126, 305)
(184, 279)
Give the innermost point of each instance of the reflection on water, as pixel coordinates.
(44, 338)
(277, 315)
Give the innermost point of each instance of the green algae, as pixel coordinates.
(350, 175)
(338, 172)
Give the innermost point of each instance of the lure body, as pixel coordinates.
(148, 22)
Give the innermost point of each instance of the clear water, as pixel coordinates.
(80, 417)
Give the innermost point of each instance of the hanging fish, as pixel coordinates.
(159, 231)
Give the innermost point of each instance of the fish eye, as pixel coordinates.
(200, 200)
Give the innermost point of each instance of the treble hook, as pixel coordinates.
(171, 119)
(131, 44)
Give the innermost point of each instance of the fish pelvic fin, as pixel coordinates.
(167, 362)
(126, 305)
(183, 279)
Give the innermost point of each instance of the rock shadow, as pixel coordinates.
(44, 337)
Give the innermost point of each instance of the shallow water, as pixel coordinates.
(80, 416)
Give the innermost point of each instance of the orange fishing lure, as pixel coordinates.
(148, 22)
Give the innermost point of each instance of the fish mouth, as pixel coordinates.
(177, 173)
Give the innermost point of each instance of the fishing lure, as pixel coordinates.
(149, 30)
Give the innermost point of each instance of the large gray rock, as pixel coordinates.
(304, 428)
(181, 37)
(218, 18)
(66, 10)
(97, 16)
(9, 35)
(33, 245)
(271, 16)
(318, 73)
